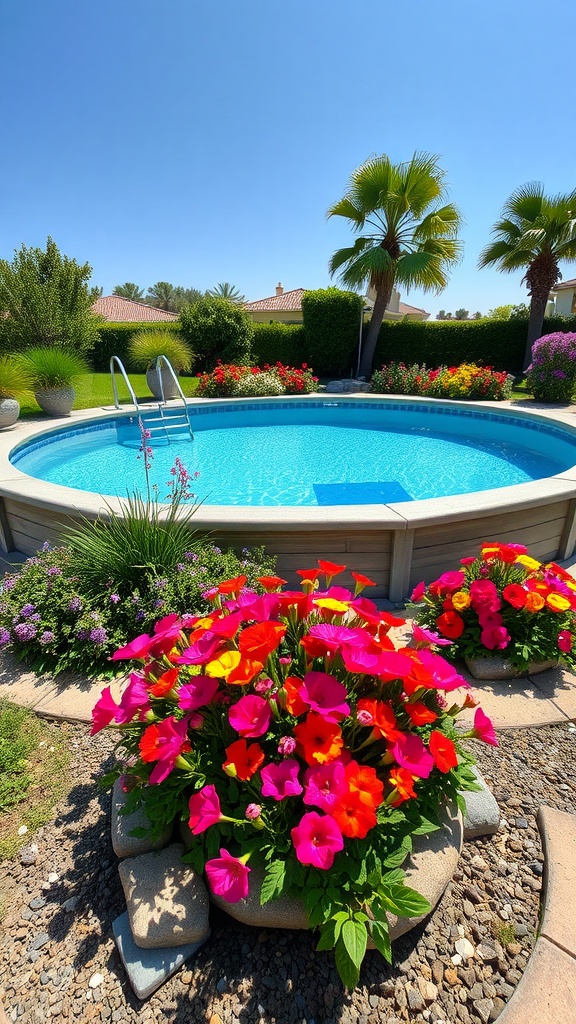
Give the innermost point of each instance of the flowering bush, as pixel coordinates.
(503, 600)
(551, 375)
(290, 734)
(52, 620)
(227, 381)
(464, 381)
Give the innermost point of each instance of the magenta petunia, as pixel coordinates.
(443, 675)
(138, 648)
(564, 641)
(325, 695)
(410, 753)
(250, 716)
(198, 692)
(418, 592)
(104, 711)
(281, 780)
(317, 840)
(428, 636)
(204, 807)
(228, 877)
(483, 728)
(134, 701)
(450, 581)
(325, 785)
(201, 651)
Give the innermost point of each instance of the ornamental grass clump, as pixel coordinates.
(551, 375)
(502, 601)
(290, 735)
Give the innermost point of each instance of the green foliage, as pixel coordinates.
(331, 329)
(51, 367)
(17, 741)
(129, 291)
(14, 380)
(495, 343)
(48, 301)
(255, 385)
(466, 381)
(225, 290)
(114, 340)
(228, 380)
(145, 347)
(217, 329)
(278, 342)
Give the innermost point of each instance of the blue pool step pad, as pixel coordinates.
(380, 492)
(147, 969)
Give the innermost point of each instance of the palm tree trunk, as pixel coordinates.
(383, 294)
(537, 311)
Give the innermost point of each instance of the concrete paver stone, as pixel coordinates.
(546, 993)
(558, 831)
(147, 969)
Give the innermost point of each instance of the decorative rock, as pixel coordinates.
(483, 1008)
(69, 905)
(167, 901)
(147, 969)
(496, 667)
(347, 386)
(37, 903)
(478, 863)
(39, 941)
(464, 948)
(28, 855)
(95, 980)
(53, 877)
(482, 816)
(22, 830)
(124, 844)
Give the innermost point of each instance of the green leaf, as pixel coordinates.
(380, 934)
(273, 882)
(403, 901)
(397, 857)
(354, 938)
(425, 827)
(347, 968)
(328, 936)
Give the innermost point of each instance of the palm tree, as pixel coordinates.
(413, 233)
(227, 291)
(129, 291)
(162, 296)
(535, 232)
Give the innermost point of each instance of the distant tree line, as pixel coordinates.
(506, 312)
(172, 298)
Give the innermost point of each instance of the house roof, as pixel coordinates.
(564, 284)
(403, 307)
(120, 310)
(288, 301)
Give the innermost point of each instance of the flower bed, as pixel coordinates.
(551, 375)
(464, 381)
(295, 739)
(228, 380)
(501, 601)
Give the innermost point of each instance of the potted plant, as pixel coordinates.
(53, 372)
(13, 381)
(302, 750)
(144, 350)
(505, 613)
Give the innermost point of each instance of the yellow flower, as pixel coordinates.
(528, 563)
(331, 604)
(534, 602)
(460, 600)
(557, 603)
(221, 667)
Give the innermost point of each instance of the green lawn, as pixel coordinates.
(95, 389)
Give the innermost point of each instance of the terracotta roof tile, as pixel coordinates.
(564, 284)
(289, 302)
(403, 307)
(120, 310)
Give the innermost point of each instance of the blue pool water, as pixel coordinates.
(310, 453)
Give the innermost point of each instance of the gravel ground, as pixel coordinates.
(56, 939)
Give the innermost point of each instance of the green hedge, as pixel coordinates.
(331, 327)
(277, 342)
(496, 343)
(114, 339)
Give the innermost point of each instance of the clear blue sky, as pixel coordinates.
(199, 141)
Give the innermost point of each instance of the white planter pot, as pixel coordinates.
(9, 412)
(170, 389)
(55, 401)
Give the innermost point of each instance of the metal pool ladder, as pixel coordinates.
(156, 425)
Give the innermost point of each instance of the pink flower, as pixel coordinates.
(164, 742)
(450, 581)
(135, 700)
(138, 648)
(333, 637)
(198, 692)
(228, 877)
(250, 716)
(469, 560)
(281, 780)
(325, 695)
(325, 785)
(443, 675)
(483, 728)
(201, 651)
(418, 592)
(253, 811)
(565, 641)
(428, 637)
(317, 840)
(165, 632)
(104, 711)
(287, 746)
(204, 809)
(410, 752)
(495, 638)
(484, 596)
(263, 685)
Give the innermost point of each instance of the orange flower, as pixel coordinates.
(365, 784)
(460, 600)
(293, 702)
(534, 602)
(242, 761)
(318, 741)
(271, 583)
(419, 714)
(232, 586)
(330, 568)
(165, 682)
(443, 751)
(244, 672)
(354, 818)
(259, 640)
(383, 718)
(362, 581)
(402, 781)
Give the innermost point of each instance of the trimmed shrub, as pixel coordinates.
(497, 343)
(217, 329)
(276, 342)
(114, 340)
(255, 385)
(331, 329)
(551, 376)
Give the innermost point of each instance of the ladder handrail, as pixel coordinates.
(164, 359)
(116, 359)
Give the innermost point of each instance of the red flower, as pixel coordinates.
(443, 751)
(243, 761)
(419, 714)
(258, 641)
(450, 624)
(515, 595)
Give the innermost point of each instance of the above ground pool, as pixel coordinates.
(313, 452)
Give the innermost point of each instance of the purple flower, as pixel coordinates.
(54, 571)
(24, 631)
(114, 598)
(4, 637)
(98, 636)
(46, 546)
(160, 584)
(191, 556)
(82, 634)
(159, 604)
(75, 605)
(180, 567)
(27, 610)
(47, 637)
(8, 583)
(139, 616)
(217, 551)
(559, 373)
